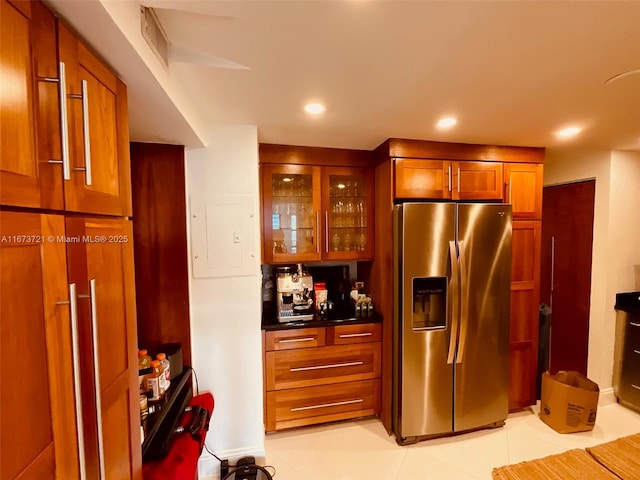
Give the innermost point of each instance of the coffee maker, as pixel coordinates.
(294, 295)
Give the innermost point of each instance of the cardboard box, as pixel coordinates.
(569, 402)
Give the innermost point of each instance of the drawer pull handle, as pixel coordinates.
(635, 386)
(325, 405)
(292, 340)
(351, 335)
(633, 324)
(637, 351)
(330, 365)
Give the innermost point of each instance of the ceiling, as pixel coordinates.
(512, 72)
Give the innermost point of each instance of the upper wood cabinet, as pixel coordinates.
(476, 180)
(291, 214)
(30, 147)
(316, 213)
(65, 140)
(441, 179)
(96, 131)
(313, 213)
(523, 190)
(347, 204)
(422, 178)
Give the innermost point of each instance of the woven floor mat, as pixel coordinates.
(621, 456)
(572, 465)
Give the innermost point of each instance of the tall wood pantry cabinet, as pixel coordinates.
(422, 170)
(69, 404)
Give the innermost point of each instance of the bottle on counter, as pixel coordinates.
(144, 359)
(166, 370)
(144, 362)
(154, 384)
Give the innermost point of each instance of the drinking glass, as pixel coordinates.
(347, 242)
(335, 242)
(362, 242)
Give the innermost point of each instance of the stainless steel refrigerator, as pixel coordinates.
(452, 271)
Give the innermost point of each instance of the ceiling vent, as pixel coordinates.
(154, 34)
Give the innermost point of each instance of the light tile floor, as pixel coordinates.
(362, 450)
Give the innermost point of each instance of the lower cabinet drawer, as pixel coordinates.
(307, 367)
(308, 406)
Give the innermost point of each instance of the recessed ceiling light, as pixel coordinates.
(446, 122)
(568, 132)
(314, 108)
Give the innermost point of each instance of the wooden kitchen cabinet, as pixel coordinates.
(476, 180)
(523, 190)
(291, 205)
(347, 203)
(30, 156)
(38, 434)
(313, 213)
(101, 265)
(79, 161)
(71, 315)
(524, 305)
(426, 179)
(321, 374)
(420, 179)
(66, 418)
(96, 130)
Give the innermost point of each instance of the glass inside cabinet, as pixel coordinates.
(347, 216)
(292, 221)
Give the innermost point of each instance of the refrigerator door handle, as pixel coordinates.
(454, 310)
(464, 291)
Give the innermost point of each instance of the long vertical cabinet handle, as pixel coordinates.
(77, 387)
(85, 130)
(96, 372)
(464, 291)
(458, 180)
(553, 269)
(317, 234)
(64, 123)
(326, 231)
(449, 170)
(456, 300)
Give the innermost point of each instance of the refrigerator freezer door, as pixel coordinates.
(423, 381)
(482, 361)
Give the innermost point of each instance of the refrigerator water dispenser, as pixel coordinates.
(429, 303)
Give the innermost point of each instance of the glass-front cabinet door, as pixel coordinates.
(291, 213)
(347, 206)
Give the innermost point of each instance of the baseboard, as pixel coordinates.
(607, 397)
(209, 466)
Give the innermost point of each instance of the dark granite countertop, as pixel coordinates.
(270, 322)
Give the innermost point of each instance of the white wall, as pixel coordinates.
(616, 238)
(225, 312)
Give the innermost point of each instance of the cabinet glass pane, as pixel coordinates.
(292, 219)
(347, 213)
